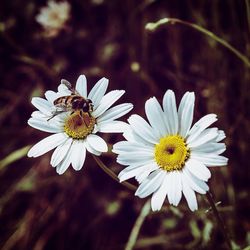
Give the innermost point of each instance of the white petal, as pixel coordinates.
(125, 174)
(39, 115)
(41, 104)
(198, 169)
(65, 163)
(150, 185)
(189, 195)
(142, 176)
(115, 112)
(63, 89)
(51, 96)
(128, 159)
(90, 149)
(45, 126)
(207, 135)
(143, 129)
(195, 183)
(210, 160)
(155, 116)
(210, 148)
(60, 152)
(81, 86)
(185, 113)
(125, 146)
(108, 100)
(112, 127)
(47, 144)
(97, 143)
(174, 187)
(131, 136)
(98, 91)
(136, 170)
(78, 155)
(140, 163)
(199, 126)
(136, 155)
(221, 136)
(170, 110)
(159, 196)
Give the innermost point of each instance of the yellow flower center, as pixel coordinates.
(171, 153)
(79, 124)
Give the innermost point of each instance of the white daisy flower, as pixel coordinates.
(167, 156)
(74, 127)
(54, 16)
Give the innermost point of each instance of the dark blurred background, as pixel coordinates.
(87, 209)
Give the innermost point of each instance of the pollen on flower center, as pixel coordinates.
(171, 153)
(79, 124)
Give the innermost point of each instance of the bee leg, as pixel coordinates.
(55, 113)
(81, 114)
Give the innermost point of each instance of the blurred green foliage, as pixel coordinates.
(87, 209)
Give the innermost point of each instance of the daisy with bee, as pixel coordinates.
(74, 117)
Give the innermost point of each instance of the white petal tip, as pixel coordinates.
(105, 79)
(77, 169)
(59, 172)
(31, 154)
(155, 208)
(193, 209)
(121, 178)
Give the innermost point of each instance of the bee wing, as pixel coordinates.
(66, 83)
(60, 106)
(69, 86)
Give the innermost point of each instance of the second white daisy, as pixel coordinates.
(168, 157)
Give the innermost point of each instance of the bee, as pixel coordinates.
(74, 103)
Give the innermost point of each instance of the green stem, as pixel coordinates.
(219, 220)
(248, 13)
(112, 174)
(156, 25)
(137, 226)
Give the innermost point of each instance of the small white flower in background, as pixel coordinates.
(168, 157)
(53, 17)
(74, 130)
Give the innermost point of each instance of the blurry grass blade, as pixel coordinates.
(235, 246)
(14, 156)
(27, 183)
(113, 208)
(206, 234)
(248, 17)
(195, 229)
(137, 226)
(219, 220)
(169, 223)
(156, 25)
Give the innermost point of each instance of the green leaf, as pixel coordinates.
(14, 156)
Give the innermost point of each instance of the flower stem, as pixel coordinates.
(219, 220)
(154, 26)
(137, 226)
(112, 174)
